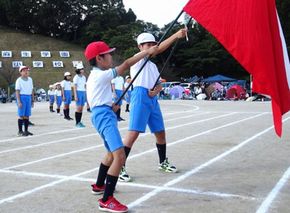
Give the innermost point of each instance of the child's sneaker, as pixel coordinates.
(97, 190)
(165, 166)
(123, 176)
(80, 125)
(27, 133)
(20, 133)
(112, 205)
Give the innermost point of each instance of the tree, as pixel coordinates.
(8, 73)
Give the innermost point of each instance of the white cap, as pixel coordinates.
(66, 74)
(145, 37)
(23, 67)
(79, 67)
(55, 84)
(127, 76)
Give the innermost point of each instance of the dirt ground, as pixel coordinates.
(227, 153)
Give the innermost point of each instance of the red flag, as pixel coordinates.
(250, 30)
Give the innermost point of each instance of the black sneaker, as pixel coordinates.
(27, 133)
(30, 123)
(20, 133)
(120, 119)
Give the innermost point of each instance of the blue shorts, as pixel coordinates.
(118, 94)
(58, 101)
(145, 110)
(81, 98)
(128, 96)
(67, 95)
(51, 99)
(105, 121)
(25, 110)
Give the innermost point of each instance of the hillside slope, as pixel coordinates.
(17, 41)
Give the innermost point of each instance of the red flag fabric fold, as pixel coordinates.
(250, 30)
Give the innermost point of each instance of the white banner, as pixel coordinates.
(26, 54)
(16, 64)
(6, 54)
(37, 64)
(64, 54)
(57, 63)
(75, 63)
(45, 54)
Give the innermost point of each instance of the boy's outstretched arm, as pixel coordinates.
(168, 42)
(134, 59)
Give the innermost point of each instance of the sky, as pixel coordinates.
(158, 12)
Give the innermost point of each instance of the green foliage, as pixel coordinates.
(84, 21)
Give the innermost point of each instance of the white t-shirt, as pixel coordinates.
(66, 85)
(99, 91)
(50, 92)
(147, 76)
(118, 82)
(25, 87)
(126, 85)
(80, 82)
(57, 92)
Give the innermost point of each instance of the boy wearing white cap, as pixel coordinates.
(24, 99)
(145, 109)
(104, 119)
(79, 82)
(66, 94)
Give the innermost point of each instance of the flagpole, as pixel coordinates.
(145, 62)
(168, 58)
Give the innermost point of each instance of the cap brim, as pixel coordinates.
(150, 41)
(24, 68)
(108, 51)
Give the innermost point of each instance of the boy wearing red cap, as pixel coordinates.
(145, 109)
(24, 99)
(104, 119)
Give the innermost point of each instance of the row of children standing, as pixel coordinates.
(62, 92)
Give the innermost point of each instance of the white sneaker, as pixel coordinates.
(165, 166)
(123, 176)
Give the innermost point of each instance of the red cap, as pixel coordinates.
(97, 48)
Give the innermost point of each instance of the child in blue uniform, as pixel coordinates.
(58, 97)
(128, 94)
(50, 94)
(79, 82)
(145, 109)
(24, 99)
(66, 94)
(104, 119)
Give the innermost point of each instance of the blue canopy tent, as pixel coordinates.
(218, 78)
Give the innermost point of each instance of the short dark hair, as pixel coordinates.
(93, 62)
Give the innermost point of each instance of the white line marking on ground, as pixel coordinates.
(74, 129)
(87, 135)
(197, 169)
(273, 194)
(23, 194)
(54, 157)
(40, 135)
(84, 136)
(93, 147)
(174, 189)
